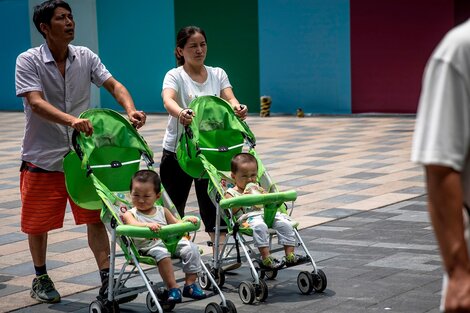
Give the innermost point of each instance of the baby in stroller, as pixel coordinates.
(145, 189)
(244, 172)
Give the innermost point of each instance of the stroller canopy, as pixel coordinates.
(216, 132)
(115, 144)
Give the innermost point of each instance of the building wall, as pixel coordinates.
(327, 57)
(232, 40)
(13, 16)
(390, 44)
(304, 55)
(136, 44)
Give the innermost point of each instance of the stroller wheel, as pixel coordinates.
(98, 306)
(213, 308)
(305, 282)
(230, 308)
(162, 295)
(220, 277)
(261, 291)
(204, 281)
(261, 274)
(319, 281)
(271, 274)
(247, 292)
(217, 274)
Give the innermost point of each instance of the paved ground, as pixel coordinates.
(361, 208)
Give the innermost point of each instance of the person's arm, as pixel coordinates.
(445, 207)
(228, 196)
(240, 110)
(169, 102)
(41, 107)
(170, 218)
(123, 97)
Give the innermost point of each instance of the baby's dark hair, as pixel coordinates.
(44, 12)
(241, 158)
(146, 176)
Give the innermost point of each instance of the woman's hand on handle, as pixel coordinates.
(241, 111)
(185, 116)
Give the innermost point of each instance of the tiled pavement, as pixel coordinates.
(360, 205)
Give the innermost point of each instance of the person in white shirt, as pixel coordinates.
(441, 144)
(192, 78)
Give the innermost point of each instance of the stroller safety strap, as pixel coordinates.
(115, 164)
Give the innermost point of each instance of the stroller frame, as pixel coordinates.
(87, 190)
(196, 157)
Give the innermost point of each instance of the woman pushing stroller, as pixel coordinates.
(191, 79)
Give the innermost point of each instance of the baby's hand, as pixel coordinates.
(155, 227)
(191, 219)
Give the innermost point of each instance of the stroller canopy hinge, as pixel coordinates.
(88, 171)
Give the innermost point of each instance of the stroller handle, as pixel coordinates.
(257, 199)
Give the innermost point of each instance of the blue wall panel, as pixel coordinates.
(136, 43)
(305, 55)
(15, 37)
(84, 14)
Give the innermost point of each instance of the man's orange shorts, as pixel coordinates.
(44, 200)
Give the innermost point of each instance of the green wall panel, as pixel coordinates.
(232, 40)
(136, 44)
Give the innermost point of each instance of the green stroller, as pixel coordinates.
(205, 150)
(98, 174)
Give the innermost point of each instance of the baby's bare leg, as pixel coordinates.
(190, 278)
(165, 268)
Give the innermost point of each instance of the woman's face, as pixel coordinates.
(195, 50)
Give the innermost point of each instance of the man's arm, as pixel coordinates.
(41, 107)
(445, 207)
(123, 97)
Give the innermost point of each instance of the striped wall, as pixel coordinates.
(327, 57)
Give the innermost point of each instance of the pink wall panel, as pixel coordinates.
(391, 41)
